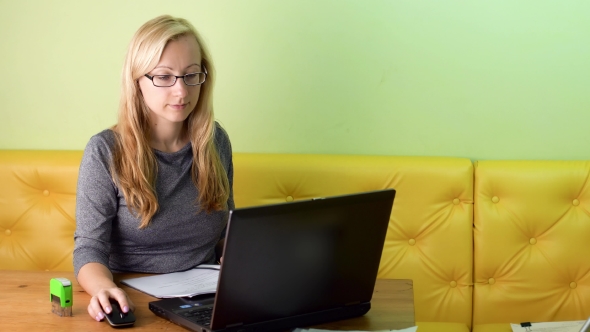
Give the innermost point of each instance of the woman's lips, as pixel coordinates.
(178, 107)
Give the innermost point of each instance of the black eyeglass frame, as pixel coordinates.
(151, 78)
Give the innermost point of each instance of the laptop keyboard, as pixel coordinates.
(201, 316)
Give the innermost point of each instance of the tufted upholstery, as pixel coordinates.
(429, 241)
(430, 233)
(430, 237)
(531, 242)
(37, 207)
(526, 259)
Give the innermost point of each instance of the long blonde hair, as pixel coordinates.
(134, 165)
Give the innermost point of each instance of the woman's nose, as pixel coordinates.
(179, 87)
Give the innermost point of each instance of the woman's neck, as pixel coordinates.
(170, 138)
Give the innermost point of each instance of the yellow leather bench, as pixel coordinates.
(430, 233)
(531, 243)
(530, 226)
(37, 209)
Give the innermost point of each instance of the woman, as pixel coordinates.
(154, 191)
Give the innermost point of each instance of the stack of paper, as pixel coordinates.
(200, 280)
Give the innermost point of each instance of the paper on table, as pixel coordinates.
(200, 280)
(570, 326)
(409, 329)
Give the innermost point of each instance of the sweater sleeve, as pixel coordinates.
(96, 203)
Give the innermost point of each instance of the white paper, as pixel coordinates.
(570, 326)
(409, 329)
(200, 280)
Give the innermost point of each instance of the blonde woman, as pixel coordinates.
(154, 190)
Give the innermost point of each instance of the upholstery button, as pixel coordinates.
(45, 192)
(533, 241)
(456, 201)
(573, 285)
(412, 242)
(289, 199)
(8, 232)
(491, 281)
(575, 202)
(453, 284)
(495, 199)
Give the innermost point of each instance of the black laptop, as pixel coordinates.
(292, 265)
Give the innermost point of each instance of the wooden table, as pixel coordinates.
(25, 306)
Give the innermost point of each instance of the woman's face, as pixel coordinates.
(173, 104)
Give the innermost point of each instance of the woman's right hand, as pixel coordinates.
(97, 281)
(100, 304)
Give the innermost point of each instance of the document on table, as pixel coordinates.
(200, 280)
(570, 326)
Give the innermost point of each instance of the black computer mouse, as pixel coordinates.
(118, 318)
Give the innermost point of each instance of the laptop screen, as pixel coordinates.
(296, 258)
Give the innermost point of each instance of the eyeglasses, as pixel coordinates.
(190, 79)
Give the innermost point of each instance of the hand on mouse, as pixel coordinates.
(100, 304)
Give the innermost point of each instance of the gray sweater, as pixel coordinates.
(178, 236)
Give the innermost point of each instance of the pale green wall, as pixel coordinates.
(479, 79)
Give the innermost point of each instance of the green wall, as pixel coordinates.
(479, 79)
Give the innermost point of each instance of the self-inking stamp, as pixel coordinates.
(60, 293)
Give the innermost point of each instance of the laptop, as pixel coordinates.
(292, 265)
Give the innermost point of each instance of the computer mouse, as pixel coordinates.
(118, 318)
